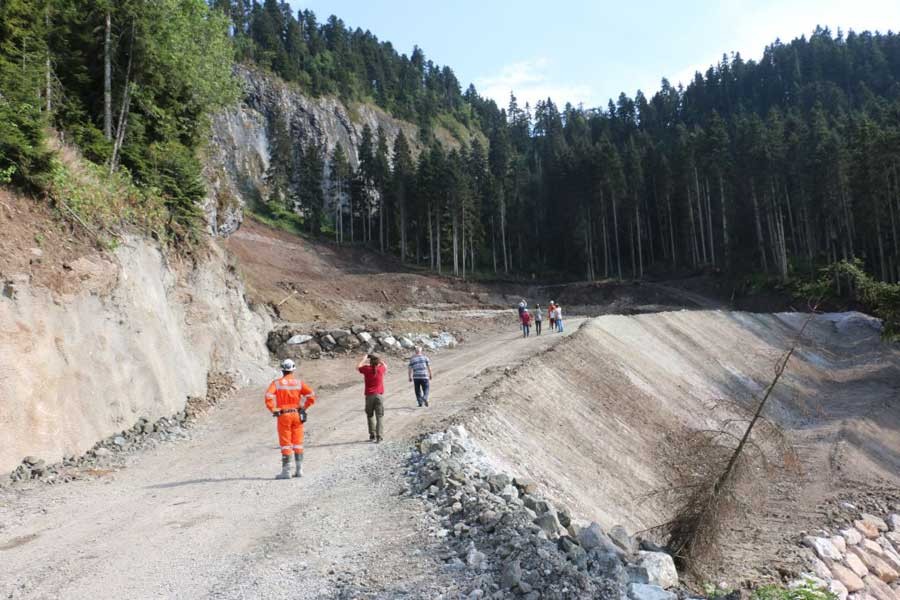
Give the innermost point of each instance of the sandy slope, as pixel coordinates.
(203, 518)
(609, 411)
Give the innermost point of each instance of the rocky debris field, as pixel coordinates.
(859, 561)
(508, 541)
(111, 452)
(291, 341)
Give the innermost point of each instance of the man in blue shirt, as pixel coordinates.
(420, 375)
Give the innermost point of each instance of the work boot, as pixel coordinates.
(298, 459)
(285, 468)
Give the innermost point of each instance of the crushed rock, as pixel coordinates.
(506, 541)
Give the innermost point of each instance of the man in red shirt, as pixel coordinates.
(373, 370)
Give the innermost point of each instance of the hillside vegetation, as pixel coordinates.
(778, 166)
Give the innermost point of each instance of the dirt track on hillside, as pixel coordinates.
(204, 518)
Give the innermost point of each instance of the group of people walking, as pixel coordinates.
(536, 318)
(288, 398)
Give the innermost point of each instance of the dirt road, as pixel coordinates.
(204, 518)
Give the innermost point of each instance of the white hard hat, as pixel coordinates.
(288, 365)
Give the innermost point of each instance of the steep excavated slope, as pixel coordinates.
(91, 341)
(590, 419)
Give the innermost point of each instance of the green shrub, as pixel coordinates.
(806, 591)
(846, 281)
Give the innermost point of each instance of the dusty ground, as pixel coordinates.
(320, 283)
(597, 420)
(203, 518)
(589, 417)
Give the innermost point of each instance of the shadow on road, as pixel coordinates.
(353, 443)
(173, 484)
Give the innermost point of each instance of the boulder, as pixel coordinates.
(474, 558)
(512, 575)
(357, 329)
(548, 523)
(866, 528)
(853, 562)
(31, 460)
(875, 521)
(311, 350)
(406, 343)
(893, 522)
(526, 486)
(851, 580)
(620, 537)
(390, 342)
(878, 589)
(838, 589)
(300, 338)
(592, 536)
(851, 535)
(890, 556)
(660, 568)
(643, 591)
(637, 574)
(872, 547)
(364, 337)
(498, 481)
(328, 342)
(821, 569)
(876, 565)
(839, 543)
(822, 547)
(348, 342)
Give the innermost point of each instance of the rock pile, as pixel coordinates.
(289, 341)
(860, 561)
(506, 540)
(110, 452)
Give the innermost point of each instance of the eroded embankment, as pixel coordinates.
(594, 420)
(117, 337)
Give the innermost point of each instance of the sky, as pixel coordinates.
(586, 52)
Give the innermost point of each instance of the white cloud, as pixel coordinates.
(752, 27)
(530, 81)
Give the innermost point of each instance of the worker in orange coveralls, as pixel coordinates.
(287, 399)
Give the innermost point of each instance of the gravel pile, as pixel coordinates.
(507, 541)
(291, 341)
(110, 453)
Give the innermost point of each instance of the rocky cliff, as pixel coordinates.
(92, 341)
(240, 146)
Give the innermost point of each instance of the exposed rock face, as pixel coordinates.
(239, 151)
(135, 338)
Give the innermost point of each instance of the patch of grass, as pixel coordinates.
(805, 591)
(105, 203)
(279, 218)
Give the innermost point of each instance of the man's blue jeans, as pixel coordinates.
(421, 387)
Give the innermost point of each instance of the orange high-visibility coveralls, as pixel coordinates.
(288, 395)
